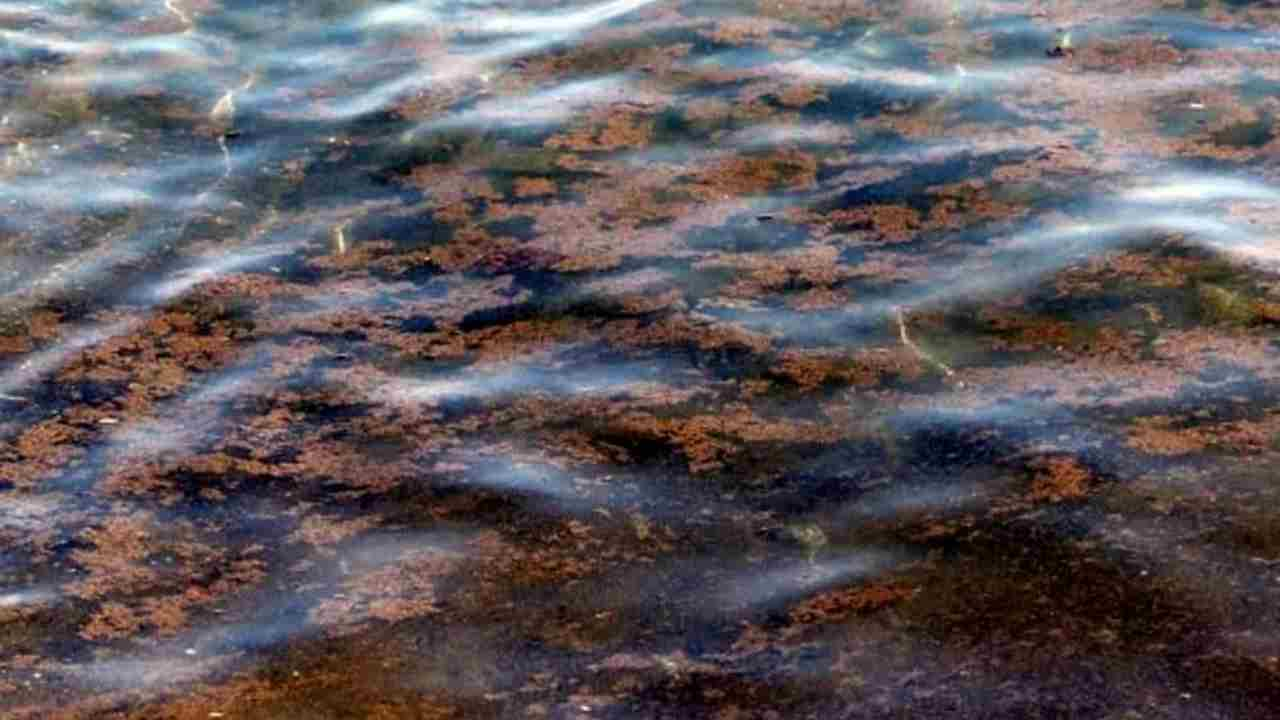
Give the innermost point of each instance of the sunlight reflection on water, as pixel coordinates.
(544, 326)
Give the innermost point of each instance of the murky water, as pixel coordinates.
(639, 359)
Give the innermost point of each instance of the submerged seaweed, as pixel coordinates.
(639, 359)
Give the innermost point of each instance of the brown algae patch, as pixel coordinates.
(1060, 478)
(750, 175)
(866, 368)
(1172, 436)
(1127, 55)
(838, 605)
(710, 442)
(401, 589)
(620, 131)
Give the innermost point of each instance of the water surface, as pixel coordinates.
(639, 359)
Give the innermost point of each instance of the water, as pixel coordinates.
(639, 359)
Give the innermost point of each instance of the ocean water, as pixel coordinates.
(636, 359)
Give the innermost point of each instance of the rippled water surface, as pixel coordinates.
(454, 359)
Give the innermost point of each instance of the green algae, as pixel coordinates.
(1221, 305)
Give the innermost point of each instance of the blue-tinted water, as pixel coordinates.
(638, 359)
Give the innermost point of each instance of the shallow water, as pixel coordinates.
(639, 359)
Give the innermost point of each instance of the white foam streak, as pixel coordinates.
(801, 577)
(541, 108)
(1201, 188)
(37, 366)
(569, 22)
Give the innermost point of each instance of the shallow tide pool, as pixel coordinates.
(639, 359)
